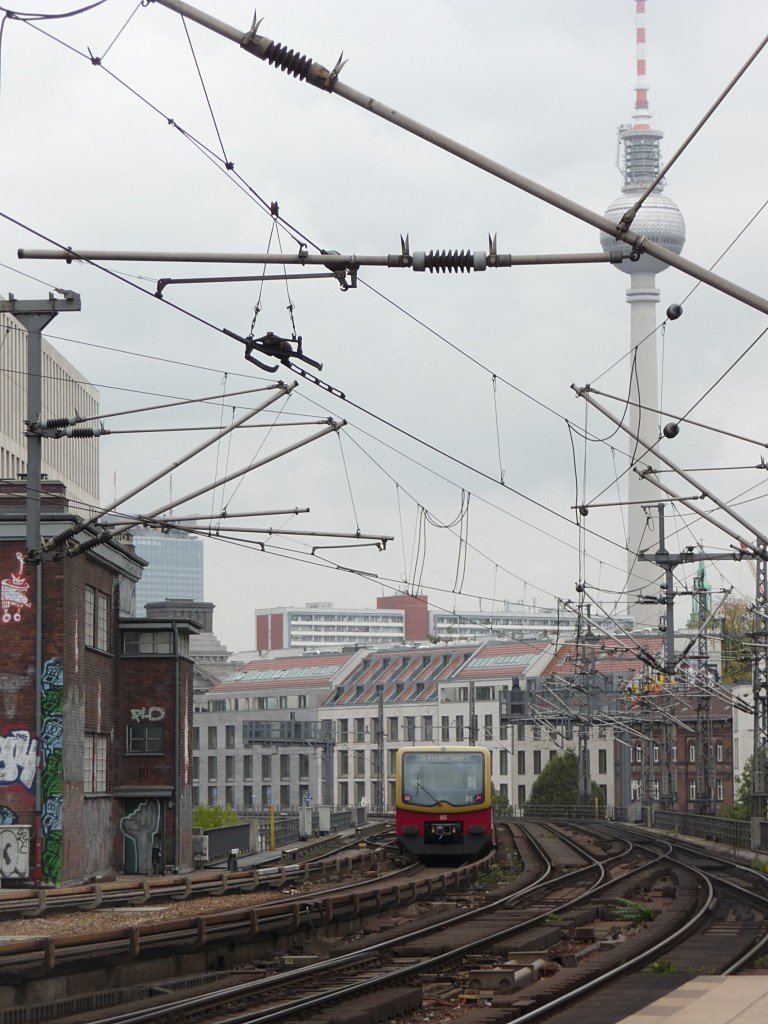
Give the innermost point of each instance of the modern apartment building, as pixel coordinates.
(403, 618)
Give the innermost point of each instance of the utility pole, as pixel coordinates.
(669, 562)
(35, 315)
(472, 716)
(760, 692)
(705, 768)
(587, 674)
(381, 781)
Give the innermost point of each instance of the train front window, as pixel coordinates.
(442, 777)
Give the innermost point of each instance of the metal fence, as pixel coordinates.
(582, 812)
(718, 830)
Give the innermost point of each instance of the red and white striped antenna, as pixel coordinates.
(642, 116)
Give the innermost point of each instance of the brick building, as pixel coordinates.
(94, 708)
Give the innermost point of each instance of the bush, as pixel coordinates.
(214, 817)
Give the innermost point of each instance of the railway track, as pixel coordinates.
(305, 862)
(523, 951)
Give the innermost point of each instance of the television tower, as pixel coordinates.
(659, 220)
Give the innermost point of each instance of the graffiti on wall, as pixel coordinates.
(14, 593)
(51, 769)
(147, 714)
(140, 828)
(14, 852)
(8, 816)
(18, 758)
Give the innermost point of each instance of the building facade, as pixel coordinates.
(95, 712)
(403, 618)
(327, 727)
(74, 461)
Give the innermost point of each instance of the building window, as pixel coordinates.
(360, 794)
(459, 728)
(719, 789)
(266, 766)
(302, 700)
(503, 762)
(359, 730)
(521, 796)
(213, 795)
(692, 789)
(343, 730)
(145, 738)
(213, 737)
(602, 762)
(445, 729)
(655, 753)
(229, 796)
(503, 733)
(537, 732)
(229, 768)
(392, 730)
(247, 796)
(343, 794)
(521, 730)
(95, 763)
(359, 762)
(343, 762)
(391, 762)
(147, 642)
(282, 703)
(537, 762)
(303, 766)
(248, 766)
(719, 754)
(692, 754)
(521, 762)
(285, 768)
(195, 768)
(410, 729)
(213, 770)
(426, 727)
(229, 737)
(285, 796)
(196, 737)
(266, 796)
(96, 619)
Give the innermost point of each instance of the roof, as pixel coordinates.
(285, 673)
(611, 656)
(503, 660)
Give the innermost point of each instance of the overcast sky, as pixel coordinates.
(477, 366)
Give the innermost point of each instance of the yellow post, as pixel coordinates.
(597, 808)
(271, 826)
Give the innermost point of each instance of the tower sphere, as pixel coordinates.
(659, 220)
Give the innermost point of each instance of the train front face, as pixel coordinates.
(444, 802)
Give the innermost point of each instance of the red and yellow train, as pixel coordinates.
(443, 802)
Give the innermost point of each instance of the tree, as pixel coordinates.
(214, 817)
(741, 808)
(558, 784)
(499, 801)
(736, 657)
